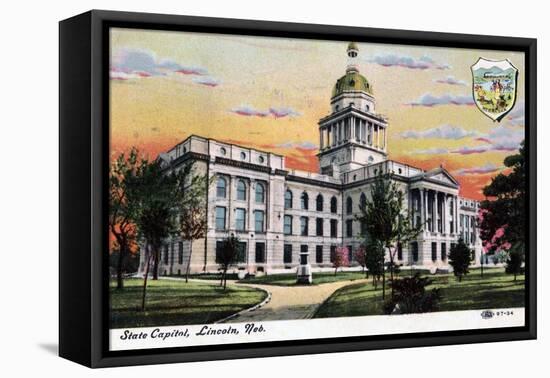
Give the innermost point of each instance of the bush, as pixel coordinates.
(515, 260)
(410, 296)
(460, 258)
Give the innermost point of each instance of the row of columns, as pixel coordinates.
(448, 215)
(353, 128)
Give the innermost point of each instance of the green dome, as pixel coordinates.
(351, 81)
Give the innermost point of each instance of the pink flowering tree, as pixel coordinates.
(341, 258)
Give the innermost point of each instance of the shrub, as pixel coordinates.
(460, 258)
(410, 296)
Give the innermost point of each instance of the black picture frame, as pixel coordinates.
(84, 146)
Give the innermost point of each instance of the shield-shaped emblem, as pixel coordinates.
(494, 85)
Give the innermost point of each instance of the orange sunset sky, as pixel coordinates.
(269, 93)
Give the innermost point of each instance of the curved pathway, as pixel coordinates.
(289, 302)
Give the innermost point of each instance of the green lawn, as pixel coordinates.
(495, 290)
(289, 279)
(174, 302)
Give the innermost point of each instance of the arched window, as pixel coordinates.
(349, 205)
(221, 187)
(260, 193)
(362, 201)
(333, 205)
(241, 190)
(288, 199)
(319, 202)
(304, 201)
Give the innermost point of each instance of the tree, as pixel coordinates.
(374, 260)
(192, 208)
(361, 258)
(410, 296)
(227, 254)
(515, 260)
(122, 207)
(385, 219)
(340, 258)
(155, 192)
(459, 258)
(503, 215)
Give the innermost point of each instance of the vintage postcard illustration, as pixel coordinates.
(265, 189)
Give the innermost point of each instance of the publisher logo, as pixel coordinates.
(487, 314)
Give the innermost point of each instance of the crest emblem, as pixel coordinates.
(494, 86)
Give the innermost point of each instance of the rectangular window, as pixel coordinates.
(399, 251)
(350, 253)
(332, 253)
(363, 226)
(288, 225)
(240, 253)
(240, 219)
(260, 252)
(220, 218)
(414, 251)
(304, 226)
(180, 253)
(349, 228)
(434, 251)
(303, 254)
(319, 254)
(333, 228)
(443, 251)
(259, 221)
(166, 254)
(287, 254)
(319, 230)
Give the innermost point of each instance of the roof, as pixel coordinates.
(351, 81)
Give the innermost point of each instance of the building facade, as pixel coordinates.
(279, 214)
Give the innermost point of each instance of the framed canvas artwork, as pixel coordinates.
(234, 188)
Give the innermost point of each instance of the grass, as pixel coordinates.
(495, 290)
(290, 278)
(174, 302)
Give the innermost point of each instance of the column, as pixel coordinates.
(426, 206)
(444, 214)
(436, 206)
(385, 139)
(434, 212)
(377, 136)
(422, 213)
(321, 137)
(456, 214)
(352, 127)
(371, 134)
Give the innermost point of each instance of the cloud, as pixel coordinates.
(431, 151)
(249, 111)
(207, 81)
(283, 112)
(451, 80)
(501, 138)
(301, 145)
(446, 99)
(191, 71)
(394, 60)
(440, 132)
(135, 64)
(487, 168)
(517, 116)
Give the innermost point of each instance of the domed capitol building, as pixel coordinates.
(280, 214)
